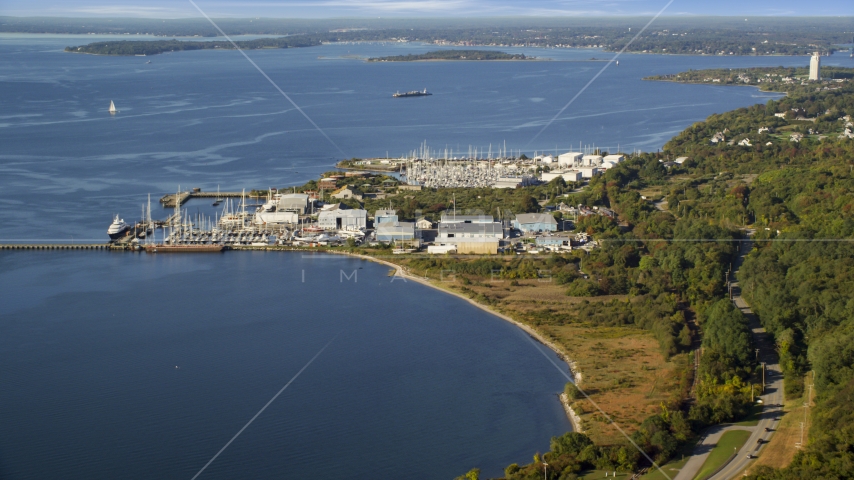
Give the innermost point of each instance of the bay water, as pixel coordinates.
(144, 366)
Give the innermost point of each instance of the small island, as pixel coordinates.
(453, 55)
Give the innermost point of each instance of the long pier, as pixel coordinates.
(57, 246)
(169, 200)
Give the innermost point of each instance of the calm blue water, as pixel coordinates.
(415, 384)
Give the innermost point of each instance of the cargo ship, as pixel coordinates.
(413, 93)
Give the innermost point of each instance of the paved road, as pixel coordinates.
(772, 398)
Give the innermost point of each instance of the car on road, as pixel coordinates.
(749, 455)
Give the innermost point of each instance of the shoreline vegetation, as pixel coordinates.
(454, 55)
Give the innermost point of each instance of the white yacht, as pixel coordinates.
(117, 229)
(113, 107)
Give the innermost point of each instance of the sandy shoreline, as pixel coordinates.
(573, 417)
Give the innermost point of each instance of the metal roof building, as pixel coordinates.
(293, 202)
(385, 216)
(454, 232)
(342, 219)
(395, 231)
(535, 222)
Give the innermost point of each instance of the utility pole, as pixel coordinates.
(763, 377)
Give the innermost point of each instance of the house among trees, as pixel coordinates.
(347, 192)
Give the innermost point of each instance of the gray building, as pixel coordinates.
(385, 216)
(454, 232)
(395, 231)
(343, 219)
(293, 202)
(535, 222)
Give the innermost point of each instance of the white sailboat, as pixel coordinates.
(113, 108)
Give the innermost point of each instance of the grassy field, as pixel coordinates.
(729, 443)
(623, 373)
(779, 452)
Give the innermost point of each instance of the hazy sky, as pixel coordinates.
(415, 8)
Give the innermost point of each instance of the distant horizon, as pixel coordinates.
(455, 19)
(410, 9)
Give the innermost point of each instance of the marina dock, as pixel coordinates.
(169, 200)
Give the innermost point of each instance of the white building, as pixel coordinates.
(614, 158)
(569, 158)
(276, 218)
(513, 182)
(815, 66)
(591, 160)
(589, 172)
(343, 219)
(568, 175)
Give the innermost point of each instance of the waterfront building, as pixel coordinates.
(293, 202)
(569, 159)
(385, 216)
(535, 222)
(815, 66)
(388, 232)
(424, 224)
(339, 219)
(470, 233)
(276, 218)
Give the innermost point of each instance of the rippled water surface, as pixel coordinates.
(119, 365)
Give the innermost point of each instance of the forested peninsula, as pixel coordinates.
(154, 47)
(452, 55)
(777, 79)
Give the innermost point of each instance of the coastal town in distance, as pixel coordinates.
(397, 240)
